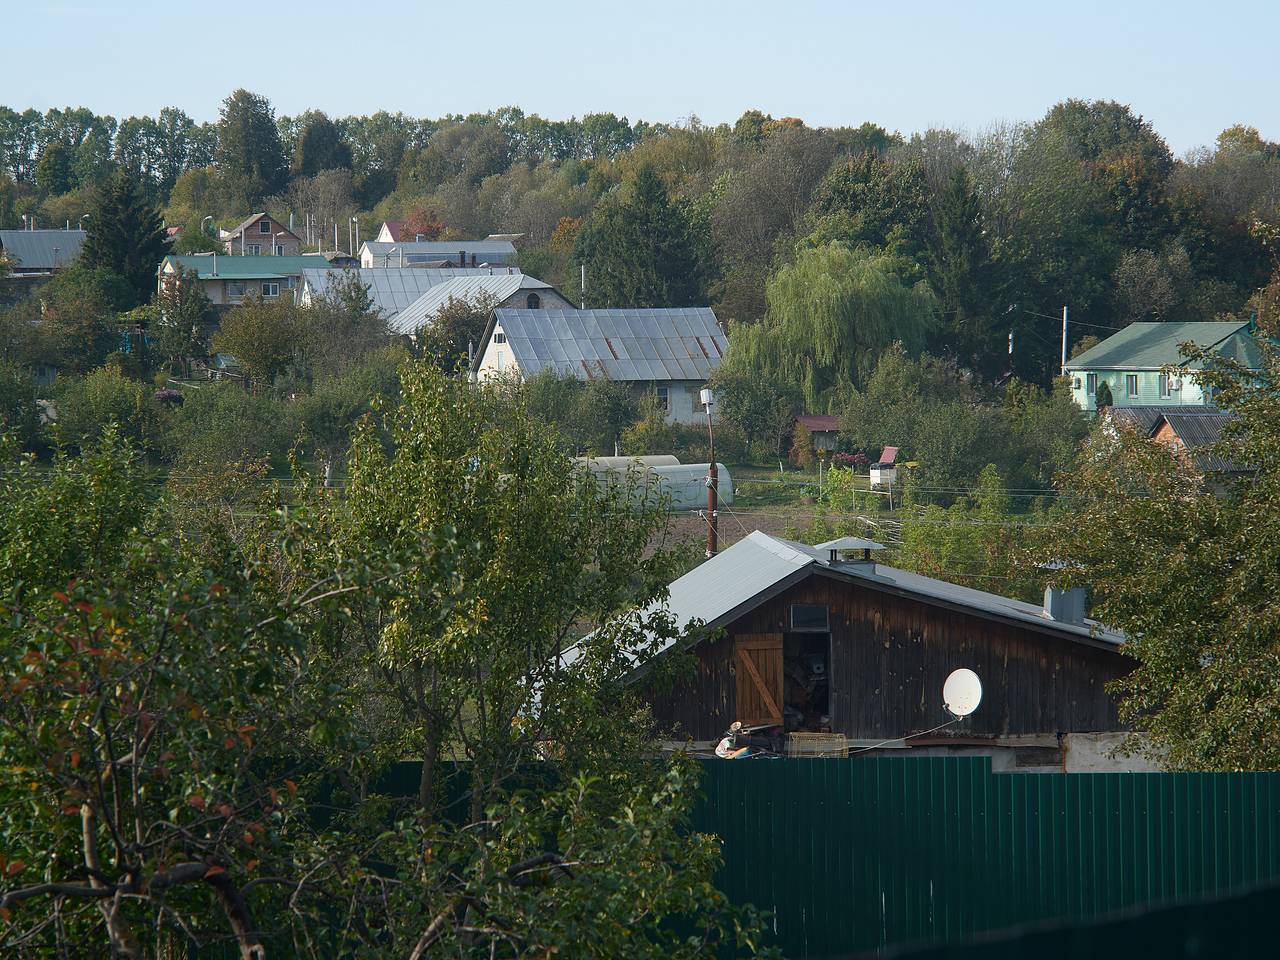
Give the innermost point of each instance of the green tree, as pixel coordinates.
(265, 336)
(831, 314)
(642, 250)
(125, 236)
(454, 331)
(763, 407)
(868, 201)
(54, 172)
(106, 401)
(1184, 561)
(1102, 399)
(181, 320)
(249, 143)
(320, 146)
(19, 412)
(80, 308)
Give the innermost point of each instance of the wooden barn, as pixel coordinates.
(826, 640)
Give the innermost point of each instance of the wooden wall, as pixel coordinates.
(890, 656)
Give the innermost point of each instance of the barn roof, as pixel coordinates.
(669, 343)
(33, 249)
(759, 567)
(492, 287)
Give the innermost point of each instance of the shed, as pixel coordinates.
(40, 251)
(884, 472)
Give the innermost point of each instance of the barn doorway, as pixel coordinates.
(806, 669)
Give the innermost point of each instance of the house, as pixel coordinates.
(229, 280)
(389, 232)
(1187, 430)
(670, 352)
(1142, 364)
(340, 259)
(493, 290)
(884, 472)
(262, 235)
(827, 640)
(823, 428)
(392, 289)
(442, 253)
(32, 252)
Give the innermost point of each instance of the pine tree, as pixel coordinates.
(642, 250)
(125, 236)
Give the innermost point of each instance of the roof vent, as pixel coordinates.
(849, 545)
(1064, 604)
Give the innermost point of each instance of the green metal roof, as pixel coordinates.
(1151, 346)
(246, 268)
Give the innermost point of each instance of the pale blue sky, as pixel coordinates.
(1191, 68)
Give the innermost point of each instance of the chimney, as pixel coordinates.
(1065, 605)
(419, 237)
(473, 259)
(462, 258)
(851, 551)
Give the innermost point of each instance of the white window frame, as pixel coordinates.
(279, 248)
(253, 249)
(499, 337)
(270, 289)
(1091, 384)
(1130, 385)
(264, 227)
(664, 397)
(1165, 391)
(235, 290)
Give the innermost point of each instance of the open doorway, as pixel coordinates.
(806, 668)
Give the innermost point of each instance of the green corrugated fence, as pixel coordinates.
(857, 854)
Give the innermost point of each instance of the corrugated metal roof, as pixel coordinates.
(760, 566)
(820, 422)
(677, 343)
(1199, 430)
(245, 268)
(495, 288)
(1151, 346)
(503, 250)
(34, 249)
(1145, 418)
(392, 289)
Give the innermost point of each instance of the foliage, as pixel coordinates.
(320, 146)
(590, 415)
(221, 423)
(831, 314)
(263, 335)
(249, 145)
(182, 317)
(19, 413)
(456, 329)
(106, 401)
(762, 406)
(80, 305)
(125, 236)
(643, 250)
(802, 452)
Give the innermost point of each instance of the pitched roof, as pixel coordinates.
(760, 566)
(392, 227)
(494, 250)
(493, 288)
(33, 249)
(1151, 346)
(209, 266)
(391, 288)
(1199, 430)
(1145, 418)
(237, 230)
(820, 422)
(673, 343)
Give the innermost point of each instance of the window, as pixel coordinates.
(290, 282)
(1164, 385)
(1075, 383)
(235, 289)
(809, 617)
(264, 226)
(271, 289)
(499, 337)
(1091, 384)
(253, 249)
(279, 248)
(664, 398)
(533, 301)
(1131, 384)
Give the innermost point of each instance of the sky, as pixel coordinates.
(1190, 68)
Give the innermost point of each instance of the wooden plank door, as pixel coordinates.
(757, 661)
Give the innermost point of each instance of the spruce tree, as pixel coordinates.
(125, 236)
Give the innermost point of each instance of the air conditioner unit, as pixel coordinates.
(1175, 383)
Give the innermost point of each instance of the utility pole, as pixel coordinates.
(582, 296)
(1064, 339)
(713, 543)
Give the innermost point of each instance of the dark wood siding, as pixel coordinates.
(889, 657)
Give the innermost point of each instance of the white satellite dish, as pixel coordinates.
(962, 692)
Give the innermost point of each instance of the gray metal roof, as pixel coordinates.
(392, 289)
(1144, 418)
(676, 343)
(474, 285)
(1152, 346)
(760, 566)
(494, 251)
(34, 249)
(1199, 431)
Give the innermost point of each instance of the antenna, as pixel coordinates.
(961, 693)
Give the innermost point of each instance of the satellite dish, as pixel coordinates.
(962, 693)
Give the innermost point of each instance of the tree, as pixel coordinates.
(964, 275)
(266, 336)
(868, 201)
(831, 314)
(455, 329)
(763, 407)
(1186, 566)
(182, 316)
(19, 412)
(106, 401)
(320, 146)
(53, 173)
(1102, 399)
(642, 250)
(249, 144)
(125, 236)
(340, 327)
(80, 308)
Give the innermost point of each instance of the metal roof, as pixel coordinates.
(1151, 346)
(759, 567)
(675, 343)
(392, 288)
(227, 267)
(1145, 418)
(472, 286)
(1198, 430)
(445, 249)
(820, 422)
(33, 249)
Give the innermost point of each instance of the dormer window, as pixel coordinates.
(533, 301)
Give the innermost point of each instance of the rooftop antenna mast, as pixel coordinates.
(713, 516)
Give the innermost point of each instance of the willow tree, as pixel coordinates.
(831, 314)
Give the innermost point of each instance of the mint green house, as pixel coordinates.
(1142, 365)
